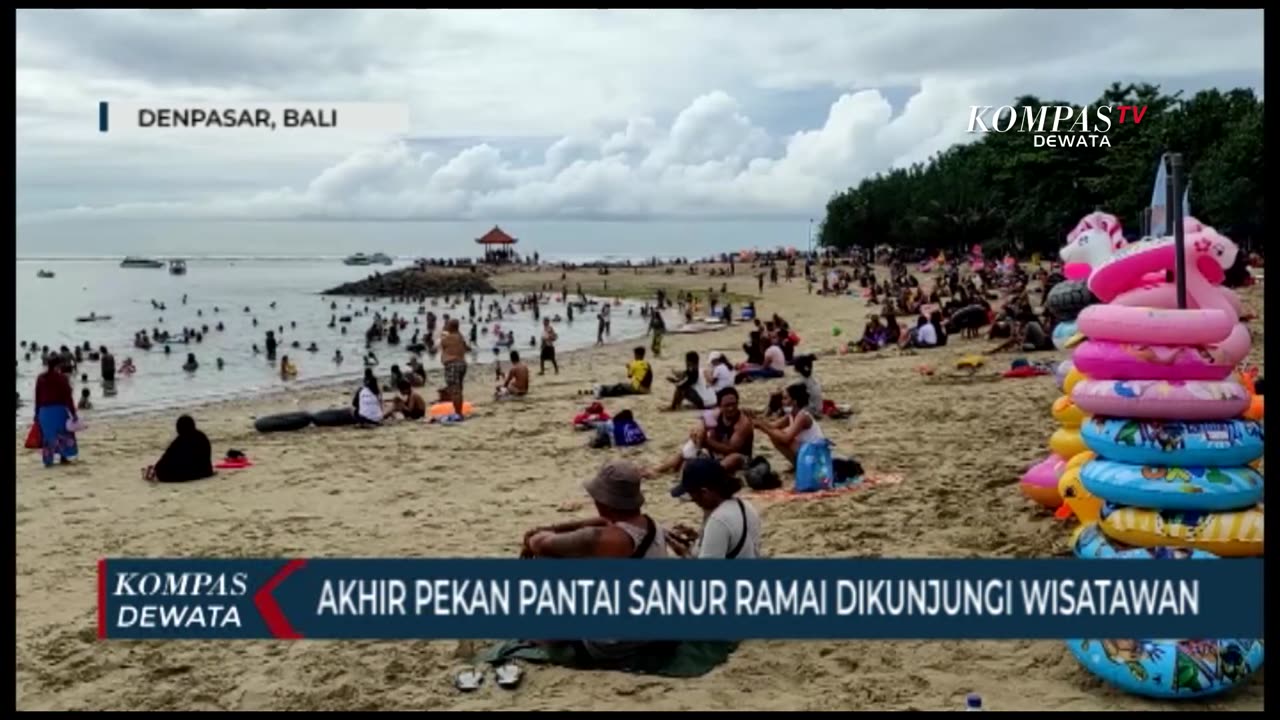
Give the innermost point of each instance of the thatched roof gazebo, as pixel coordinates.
(499, 247)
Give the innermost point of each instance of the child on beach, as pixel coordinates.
(516, 383)
(85, 402)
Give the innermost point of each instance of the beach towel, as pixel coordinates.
(688, 659)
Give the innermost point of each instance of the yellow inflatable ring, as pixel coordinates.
(1227, 534)
(1086, 507)
(1068, 414)
(1067, 443)
(1069, 382)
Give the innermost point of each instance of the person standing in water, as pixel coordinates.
(549, 338)
(271, 345)
(453, 354)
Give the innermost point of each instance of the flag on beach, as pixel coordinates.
(1158, 213)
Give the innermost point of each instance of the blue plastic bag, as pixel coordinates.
(815, 467)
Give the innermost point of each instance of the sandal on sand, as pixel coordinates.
(508, 675)
(468, 679)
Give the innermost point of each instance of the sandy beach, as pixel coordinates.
(948, 450)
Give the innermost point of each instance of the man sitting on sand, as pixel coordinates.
(409, 404)
(725, 434)
(641, 379)
(620, 530)
(774, 362)
(730, 525)
(516, 384)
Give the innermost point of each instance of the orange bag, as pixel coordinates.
(34, 439)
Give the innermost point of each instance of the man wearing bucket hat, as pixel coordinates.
(620, 529)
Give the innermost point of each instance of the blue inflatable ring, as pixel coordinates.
(1062, 332)
(1170, 668)
(1221, 443)
(1159, 487)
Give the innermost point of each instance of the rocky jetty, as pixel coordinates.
(416, 282)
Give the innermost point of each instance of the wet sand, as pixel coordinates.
(958, 444)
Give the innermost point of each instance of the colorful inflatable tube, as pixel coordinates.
(1170, 668)
(1040, 481)
(1165, 296)
(1173, 488)
(1225, 534)
(1226, 443)
(1067, 414)
(1151, 326)
(1110, 360)
(1090, 543)
(1066, 443)
(1162, 399)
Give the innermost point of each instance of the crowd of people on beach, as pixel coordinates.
(712, 466)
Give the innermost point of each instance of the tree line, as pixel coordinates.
(1007, 195)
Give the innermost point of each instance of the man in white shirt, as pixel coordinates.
(731, 526)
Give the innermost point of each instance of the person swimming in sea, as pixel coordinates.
(221, 364)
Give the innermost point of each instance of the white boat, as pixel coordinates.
(380, 259)
(177, 267)
(140, 262)
(358, 259)
(45, 274)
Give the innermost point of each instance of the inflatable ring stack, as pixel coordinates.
(1169, 473)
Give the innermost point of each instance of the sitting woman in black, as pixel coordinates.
(189, 456)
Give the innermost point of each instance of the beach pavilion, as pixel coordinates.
(499, 247)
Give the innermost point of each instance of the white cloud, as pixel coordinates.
(632, 113)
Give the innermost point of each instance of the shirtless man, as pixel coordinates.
(516, 383)
(453, 354)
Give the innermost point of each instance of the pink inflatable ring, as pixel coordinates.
(1150, 326)
(1208, 255)
(1164, 295)
(1109, 360)
(1040, 482)
(1162, 399)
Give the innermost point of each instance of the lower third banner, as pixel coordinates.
(677, 600)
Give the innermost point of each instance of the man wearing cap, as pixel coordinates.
(730, 526)
(621, 530)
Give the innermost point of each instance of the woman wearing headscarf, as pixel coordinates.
(367, 403)
(55, 408)
(189, 457)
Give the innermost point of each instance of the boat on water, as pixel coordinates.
(140, 262)
(93, 317)
(362, 259)
(177, 267)
(44, 274)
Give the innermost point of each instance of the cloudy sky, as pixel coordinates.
(562, 114)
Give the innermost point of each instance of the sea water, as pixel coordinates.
(47, 310)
